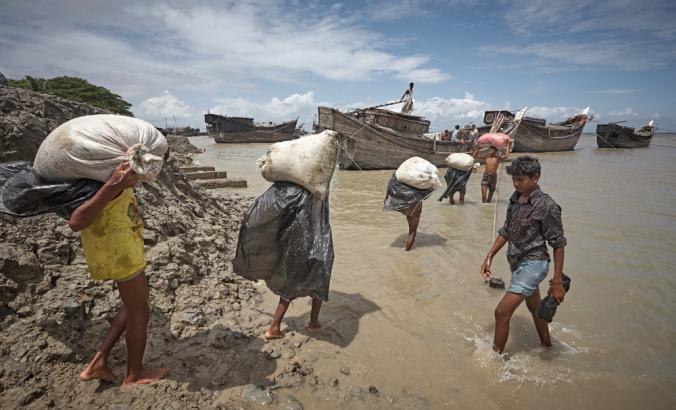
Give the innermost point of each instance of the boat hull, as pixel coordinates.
(242, 130)
(534, 137)
(617, 136)
(370, 146)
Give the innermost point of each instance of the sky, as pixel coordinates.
(276, 60)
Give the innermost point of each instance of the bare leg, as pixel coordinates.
(462, 197)
(413, 218)
(274, 332)
(503, 313)
(490, 195)
(98, 367)
(134, 294)
(314, 315)
(484, 194)
(450, 197)
(541, 326)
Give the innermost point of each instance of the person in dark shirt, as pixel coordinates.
(533, 221)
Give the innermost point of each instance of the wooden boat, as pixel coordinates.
(613, 135)
(225, 129)
(535, 135)
(383, 139)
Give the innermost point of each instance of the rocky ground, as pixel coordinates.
(206, 323)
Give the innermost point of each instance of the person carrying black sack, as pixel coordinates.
(409, 201)
(285, 239)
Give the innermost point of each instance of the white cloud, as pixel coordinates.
(627, 112)
(164, 106)
(556, 113)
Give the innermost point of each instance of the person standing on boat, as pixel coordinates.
(407, 99)
(489, 182)
(455, 137)
(533, 220)
(473, 134)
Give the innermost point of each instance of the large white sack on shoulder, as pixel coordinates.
(93, 145)
(308, 161)
(460, 161)
(418, 173)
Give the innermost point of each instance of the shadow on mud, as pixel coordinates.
(340, 318)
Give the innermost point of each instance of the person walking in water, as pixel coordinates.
(533, 220)
(489, 182)
(407, 99)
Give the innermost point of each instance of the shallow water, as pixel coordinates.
(422, 321)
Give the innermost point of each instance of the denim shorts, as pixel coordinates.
(527, 277)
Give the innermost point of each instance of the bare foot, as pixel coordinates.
(147, 376)
(273, 334)
(313, 327)
(100, 372)
(452, 202)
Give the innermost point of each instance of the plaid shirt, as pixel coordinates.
(529, 227)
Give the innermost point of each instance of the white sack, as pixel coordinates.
(94, 145)
(308, 161)
(418, 173)
(460, 161)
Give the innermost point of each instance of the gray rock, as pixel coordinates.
(287, 402)
(19, 264)
(374, 390)
(254, 394)
(345, 370)
(193, 317)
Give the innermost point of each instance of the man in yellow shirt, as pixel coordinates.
(112, 238)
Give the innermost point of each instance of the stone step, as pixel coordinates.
(195, 168)
(222, 183)
(206, 175)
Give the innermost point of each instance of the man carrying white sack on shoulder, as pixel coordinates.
(285, 236)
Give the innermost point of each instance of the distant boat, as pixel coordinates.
(225, 129)
(382, 139)
(535, 135)
(612, 135)
(183, 131)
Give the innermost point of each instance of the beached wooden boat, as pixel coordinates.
(225, 129)
(613, 135)
(535, 135)
(382, 139)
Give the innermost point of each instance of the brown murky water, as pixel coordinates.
(422, 322)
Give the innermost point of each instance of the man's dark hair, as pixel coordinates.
(526, 165)
(410, 85)
(457, 127)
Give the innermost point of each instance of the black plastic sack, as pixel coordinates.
(401, 196)
(24, 193)
(547, 307)
(455, 181)
(285, 239)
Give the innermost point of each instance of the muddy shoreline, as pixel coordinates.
(206, 323)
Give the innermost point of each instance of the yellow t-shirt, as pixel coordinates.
(113, 243)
